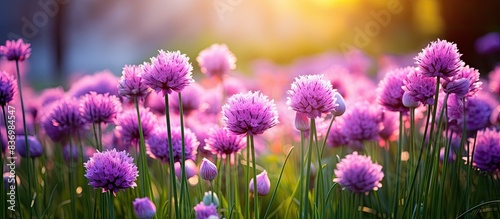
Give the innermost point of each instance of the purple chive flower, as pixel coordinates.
(34, 146)
(191, 99)
(336, 137)
(362, 122)
(190, 167)
(157, 144)
(439, 59)
(390, 126)
(169, 71)
(263, 184)
(311, 95)
(477, 113)
(203, 211)
(494, 80)
(63, 119)
(144, 208)
(101, 82)
(128, 125)
(222, 142)
(358, 173)
(208, 170)
(16, 50)
(216, 61)
(390, 91)
(466, 82)
(409, 101)
(51, 95)
(8, 88)
(488, 43)
(487, 151)
(130, 85)
(99, 108)
(111, 171)
(249, 113)
(419, 88)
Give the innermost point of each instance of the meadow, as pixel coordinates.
(324, 138)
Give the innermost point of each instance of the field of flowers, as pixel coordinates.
(418, 141)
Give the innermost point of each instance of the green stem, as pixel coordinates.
(30, 171)
(143, 165)
(183, 155)
(97, 145)
(308, 167)
(398, 165)
(255, 193)
(111, 205)
(171, 152)
(278, 183)
(301, 180)
(228, 186)
(247, 179)
(71, 181)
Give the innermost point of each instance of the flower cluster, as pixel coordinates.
(111, 171)
(358, 173)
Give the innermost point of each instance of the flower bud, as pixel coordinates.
(208, 170)
(211, 198)
(409, 101)
(340, 108)
(263, 184)
(301, 121)
(144, 208)
(190, 167)
(459, 87)
(34, 146)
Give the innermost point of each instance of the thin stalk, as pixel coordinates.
(278, 183)
(30, 171)
(247, 179)
(255, 193)
(469, 158)
(170, 150)
(398, 165)
(3, 192)
(72, 182)
(418, 166)
(97, 145)
(319, 180)
(183, 155)
(111, 205)
(301, 180)
(228, 186)
(308, 167)
(143, 168)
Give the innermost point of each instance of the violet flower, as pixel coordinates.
(358, 173)
(111, 171)
(249, 113)
(16, 50)
(8, 87)
(167, 72)
(99, 108)
(223, 142)
(130, 85)
(487, 151)
(157, 144)
(216, 61)
(439, 59)
(311, 95)
(144, 208)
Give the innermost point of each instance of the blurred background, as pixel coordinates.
(70, 37)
